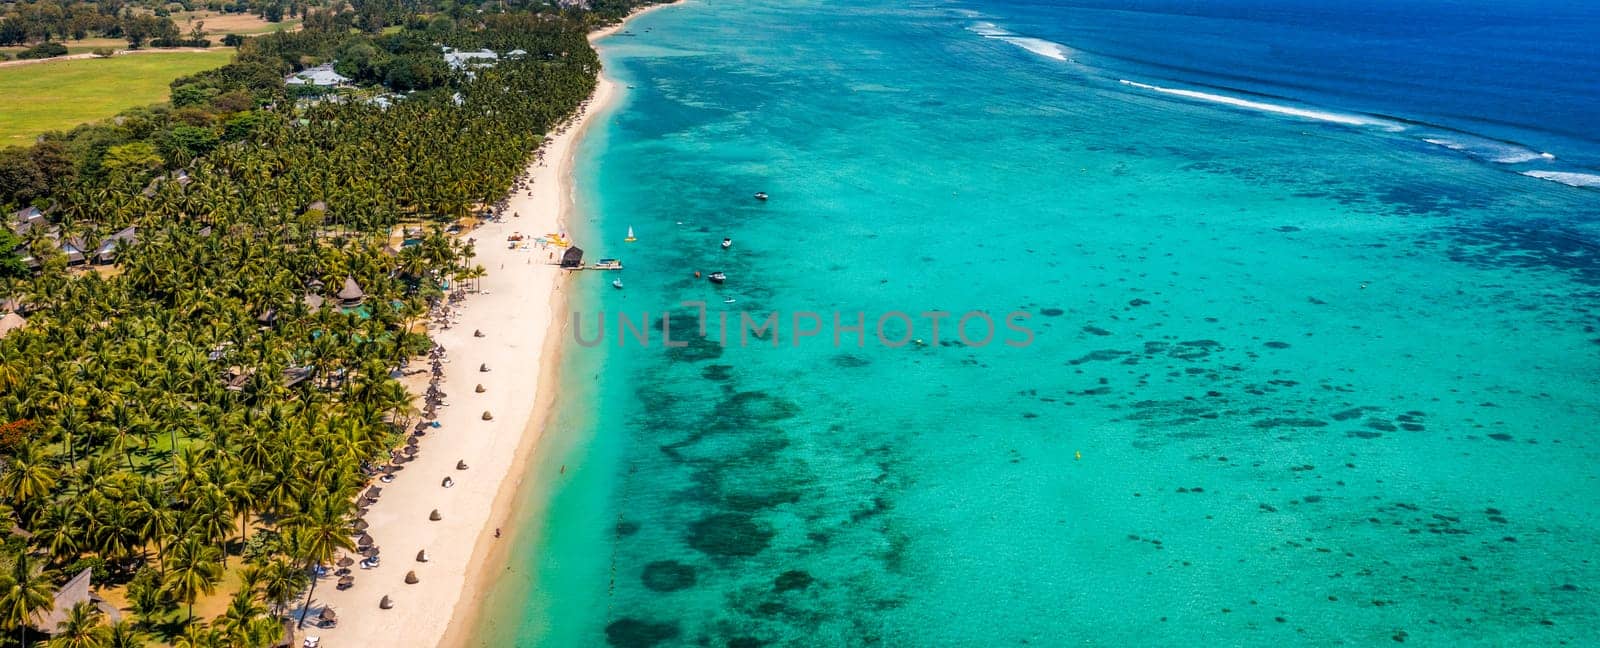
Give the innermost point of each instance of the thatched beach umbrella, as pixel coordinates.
(480, 389)
(477, 333)
(411, 441)
(411, 578)
(461, 464)
(363, 540)
(385, 602)
(346, 561)
(487, 416)
(410, 450)
(369, 552)
(361, 525)
(422, 556)
(434, 516)
(484, 368)
(346, 582)
(328, 615)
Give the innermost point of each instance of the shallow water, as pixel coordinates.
(1291, 380)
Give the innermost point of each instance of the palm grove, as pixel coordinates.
(196, 420)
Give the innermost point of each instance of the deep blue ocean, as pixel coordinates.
(1521, 71)
(1314, 292)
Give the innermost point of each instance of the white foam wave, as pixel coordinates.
(1567, 178)
(1305, 113)
(1491, 150)
(1048, 49)
(988, 30)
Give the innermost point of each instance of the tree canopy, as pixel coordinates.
(207, 397)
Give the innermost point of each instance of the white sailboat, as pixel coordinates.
(630, 238)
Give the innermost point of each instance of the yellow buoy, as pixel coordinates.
(1077, 455)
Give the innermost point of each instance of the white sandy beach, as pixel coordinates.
(521, 312)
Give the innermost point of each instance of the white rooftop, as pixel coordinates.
(321, 75)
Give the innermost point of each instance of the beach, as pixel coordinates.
(520, 312)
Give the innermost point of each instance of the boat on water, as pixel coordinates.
(630, 238)
(727, 243)
(616, 283)
(761, 195)
(729, 300)
(717, 277)
(607, 264)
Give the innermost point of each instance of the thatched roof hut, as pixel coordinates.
(11, 322)
(351, 294)
(74, 592)
(573, 258)
(296, 375)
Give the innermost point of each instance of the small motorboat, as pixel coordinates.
(727, 243)
(616, 283)
(630, 238)
(729, 300)
(717, 277)
(761, 195)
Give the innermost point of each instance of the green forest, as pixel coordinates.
(190, 395)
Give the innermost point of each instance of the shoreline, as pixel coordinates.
(490, 555)
(520, 312)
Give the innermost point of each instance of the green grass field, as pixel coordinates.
(61, 94)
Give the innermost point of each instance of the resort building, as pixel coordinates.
(26, 219)
(11, 322)
(459, 60)
(321, 76)
(351, 295)
(74, 592)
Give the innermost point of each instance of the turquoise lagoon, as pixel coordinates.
(1304, 380)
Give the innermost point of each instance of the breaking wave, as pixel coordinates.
(1569, 178)
(1488, 149)
(1262, 106)
(1048, 49)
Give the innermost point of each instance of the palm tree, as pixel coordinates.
(156, 520)
(27, 480)
(238, 621)
(198, 635)
(321, 533)
(150, 602)
(22, 594)
(194, 570)
(281, 582)
(83, 628)
(125, 635)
